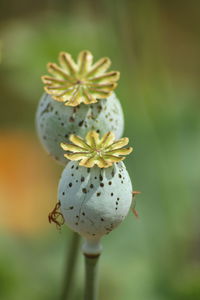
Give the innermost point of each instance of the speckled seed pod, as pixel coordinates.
(55, 121)
(93, 200)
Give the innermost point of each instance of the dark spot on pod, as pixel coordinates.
(122, 181)
(116, 203)
(62, 124)
(102, 219)
(84, 190)
(83, 213)
(71, 119)
(72, 174)
(80, 123)
(93, 234)
(49, 108)
(71, 207)
(99, 107)
(76, 223)
(113, 173)
(63, 193)
(77, 217)
(82, 179)
(77, 168)
(98, 194)
(95, 177)
(120, 176)
(100, 177)
(98, 130)
(44, 137)
(70, 184)
(102, 184)
(115, 208)
(76, 180)
(66, 136)
(88, 170)
(118, 199)
(110, 182)
(72, 167)
(74, 109)
(56, 112)
(91, 186)
(111, 194)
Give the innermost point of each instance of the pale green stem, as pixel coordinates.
(91, 251)
(70, 266)
(91, 277)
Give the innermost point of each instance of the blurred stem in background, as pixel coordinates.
(68, 282)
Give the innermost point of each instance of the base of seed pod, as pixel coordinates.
(92, 247)
(94, 201)
(55, 122)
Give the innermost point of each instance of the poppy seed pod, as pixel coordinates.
(79, 97)
(94, 203)
(95, 195)
(55, 122)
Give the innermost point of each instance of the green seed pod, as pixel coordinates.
(94, 201)
(79, 97)
(55, 122)
(95, 195)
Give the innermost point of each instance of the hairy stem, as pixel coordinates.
(70, 267)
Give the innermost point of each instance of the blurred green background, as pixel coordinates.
(155, 45)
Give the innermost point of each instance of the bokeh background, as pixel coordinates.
(155, 45)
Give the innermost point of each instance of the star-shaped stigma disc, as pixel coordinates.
(94, 150)
(82, 82)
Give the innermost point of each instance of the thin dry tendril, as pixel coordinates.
(56, 216)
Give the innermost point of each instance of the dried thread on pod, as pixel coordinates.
(56, 216)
